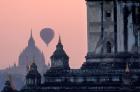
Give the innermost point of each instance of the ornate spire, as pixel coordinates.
(31, 34)
(59, 41)
(31, 41)
(59, 52)
(59, 45)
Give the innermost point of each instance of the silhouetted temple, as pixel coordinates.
(8, 87)
(113, 57)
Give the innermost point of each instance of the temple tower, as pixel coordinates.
(110, 32)
(100, 26)
(59, 59)
(33, 77)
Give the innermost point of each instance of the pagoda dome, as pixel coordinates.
(29, 52)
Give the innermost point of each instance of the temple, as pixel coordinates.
(28, 54)
(113, 58)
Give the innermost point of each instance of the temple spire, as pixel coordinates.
(31, 34)
(59, 41)
(31, 41)
(59, 45)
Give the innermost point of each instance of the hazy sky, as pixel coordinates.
(66, 17)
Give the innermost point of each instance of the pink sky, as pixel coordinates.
(66, 17)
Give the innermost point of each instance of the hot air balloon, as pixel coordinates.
(47, 34)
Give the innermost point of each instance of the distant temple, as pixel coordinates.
(8, 87)
(113, 57)
(30, 52)
(27, 56)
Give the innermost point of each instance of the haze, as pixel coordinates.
(66, 17)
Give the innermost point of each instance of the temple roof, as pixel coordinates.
(33, 72)
(59, 52)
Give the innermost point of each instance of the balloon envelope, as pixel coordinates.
(47, 34)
